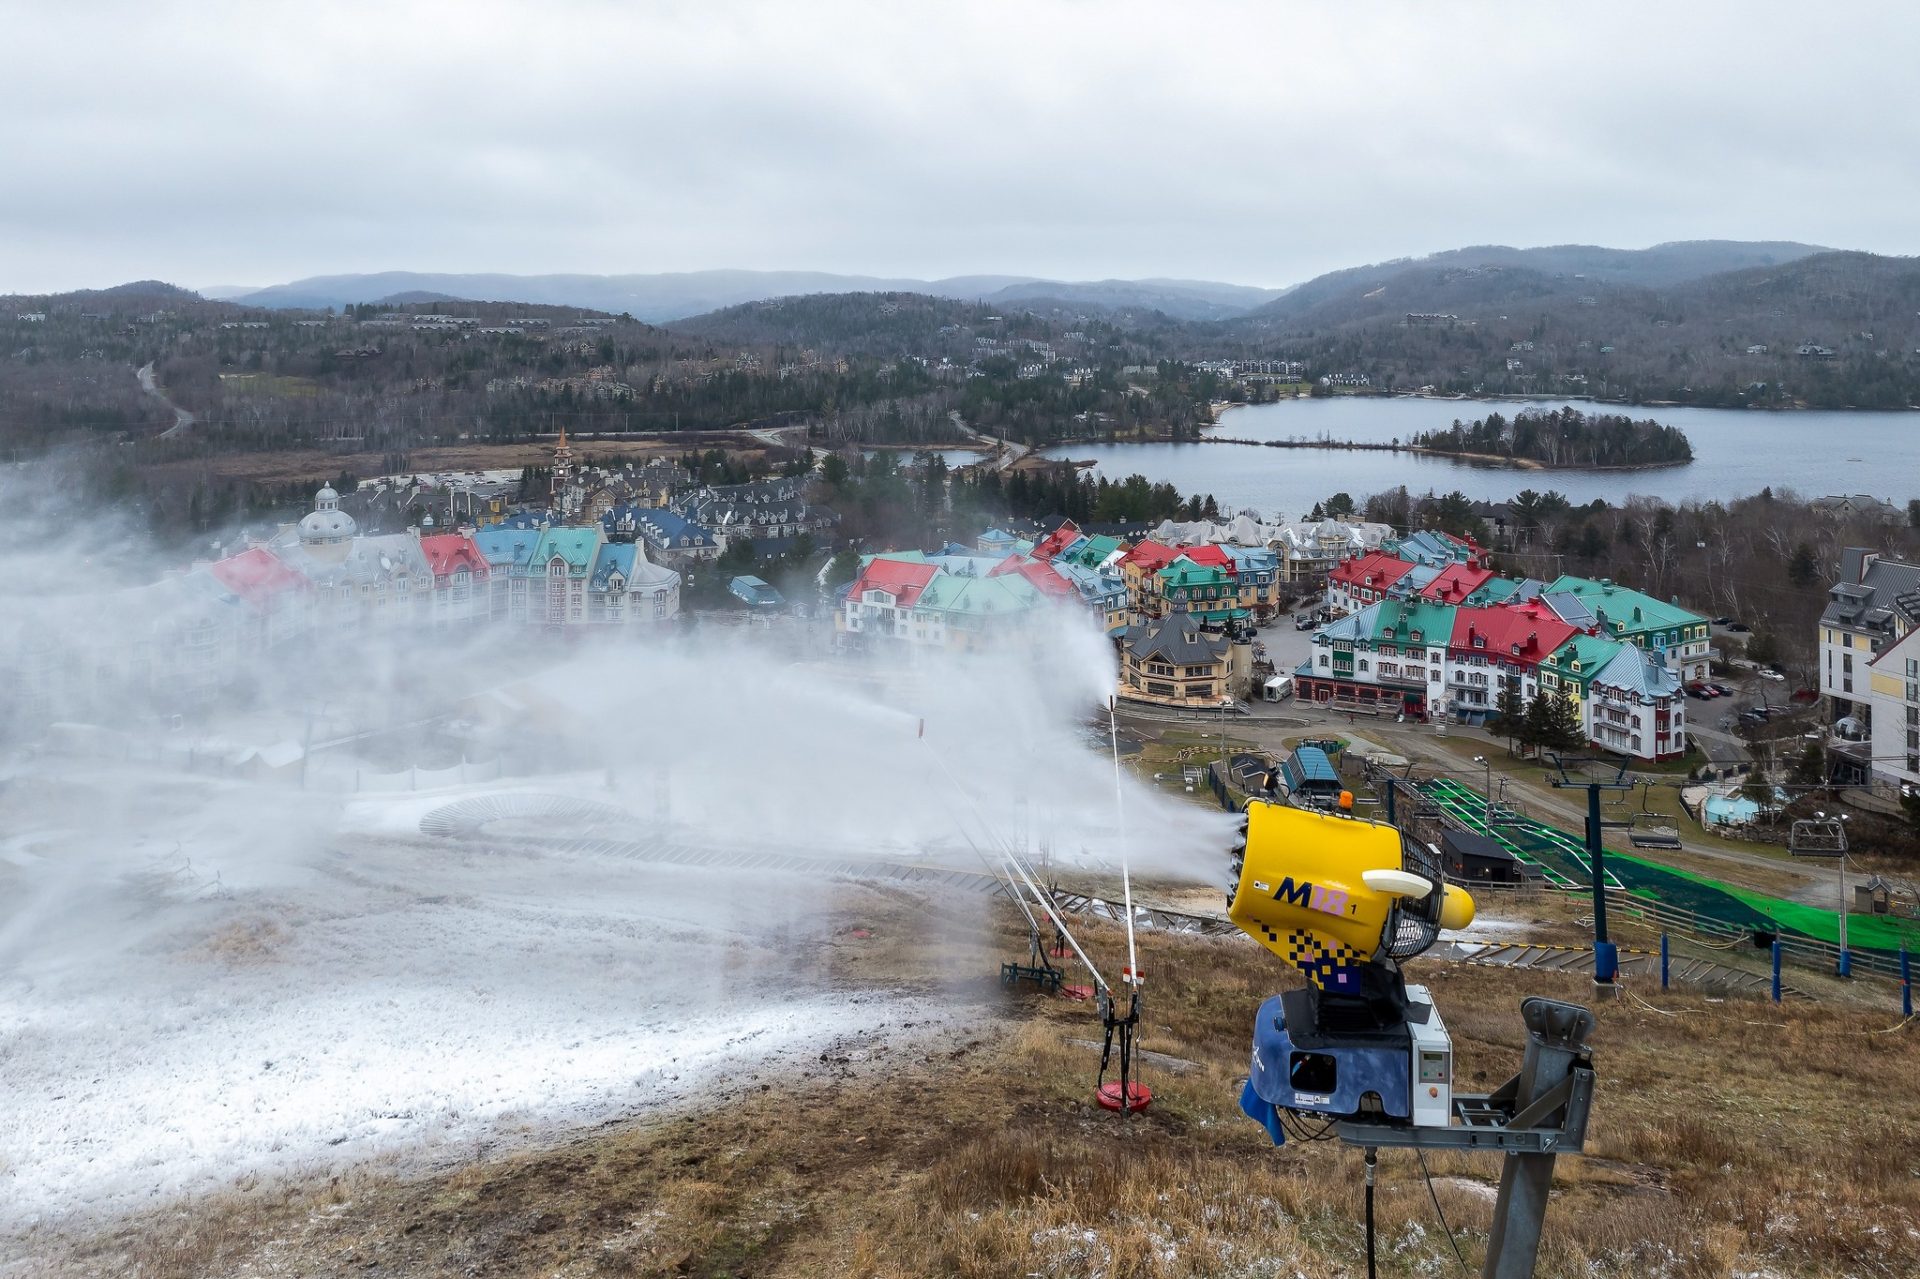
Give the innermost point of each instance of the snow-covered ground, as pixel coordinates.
(261, 985)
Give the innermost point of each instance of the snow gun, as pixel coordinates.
(1359, 1055)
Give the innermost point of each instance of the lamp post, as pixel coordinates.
(1487, 764)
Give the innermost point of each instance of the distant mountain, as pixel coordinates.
(1493, 274)
(225, 292)
(1178, 299)
(677, 295)
(416, 297)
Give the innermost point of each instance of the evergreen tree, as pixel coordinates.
(1509, 718)
(1553, 723)
(1811, 768)
(1803, 567)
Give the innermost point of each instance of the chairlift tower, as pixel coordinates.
(1824, 836)
(1606, 956)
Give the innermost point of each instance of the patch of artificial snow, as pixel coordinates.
(184, 1026)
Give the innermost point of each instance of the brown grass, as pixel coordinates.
(289, 466)
(1729, 1138)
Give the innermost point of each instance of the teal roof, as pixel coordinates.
(1495, 590)
(1184, 572)
(978, 596)
(1593, 652)
(1620, 602)
(577, 546)
(1434, 622)
(1091, 550)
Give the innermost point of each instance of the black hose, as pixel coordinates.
(1373, 1157)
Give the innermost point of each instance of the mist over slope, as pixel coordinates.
(231, 950)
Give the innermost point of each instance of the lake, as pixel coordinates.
(1735, 451)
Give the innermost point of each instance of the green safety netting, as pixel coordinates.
(1562, 859)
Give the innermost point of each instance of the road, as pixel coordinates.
(771, 436)
(1005, 452)
(182, 419)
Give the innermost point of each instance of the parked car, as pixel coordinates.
(1776, 676)
(1699, 691)
(1806, 695)
(1723, 621)
(1720, 690)
(1304, 623)
(1739, 628)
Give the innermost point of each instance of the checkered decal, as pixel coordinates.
(1328, 967)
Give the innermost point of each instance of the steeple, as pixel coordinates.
(561, 496)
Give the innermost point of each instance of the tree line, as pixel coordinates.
(1564, 437)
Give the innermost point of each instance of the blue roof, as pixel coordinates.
(1570, 608)
(1417, 579)
(670, 530)
(1252, 559)
(754, 591)
(526, 520)
(613, 556)
(506, 546)
(1310, 764)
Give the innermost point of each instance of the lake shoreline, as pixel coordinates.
(1372, 446)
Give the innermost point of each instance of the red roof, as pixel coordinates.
(1057, 541)
(447, 552)
(902, 579)
(1375, 569)
(1043, 577)
(1153, 556)
(1455, 583)
(1150, 555)
(1211, 553)
(255, 575)
(1523, 635)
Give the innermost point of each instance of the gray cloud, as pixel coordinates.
(213, 143)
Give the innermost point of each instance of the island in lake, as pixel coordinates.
(1563, 438)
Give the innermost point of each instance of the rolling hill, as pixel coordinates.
(670, 296)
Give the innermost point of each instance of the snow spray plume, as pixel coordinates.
(228, 948)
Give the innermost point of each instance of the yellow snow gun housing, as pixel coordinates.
(1331, 894)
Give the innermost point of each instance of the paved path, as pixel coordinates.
(182, 419)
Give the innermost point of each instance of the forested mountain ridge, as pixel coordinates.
(675, 295)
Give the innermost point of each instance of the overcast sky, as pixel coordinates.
(1261, 143)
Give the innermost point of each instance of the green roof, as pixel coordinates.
(1495, 590)
(978, 596)
(1593, 652)
(1184, 573)
(1619, 603)
(1433, 621)
(576, 546)
(1095, 551)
